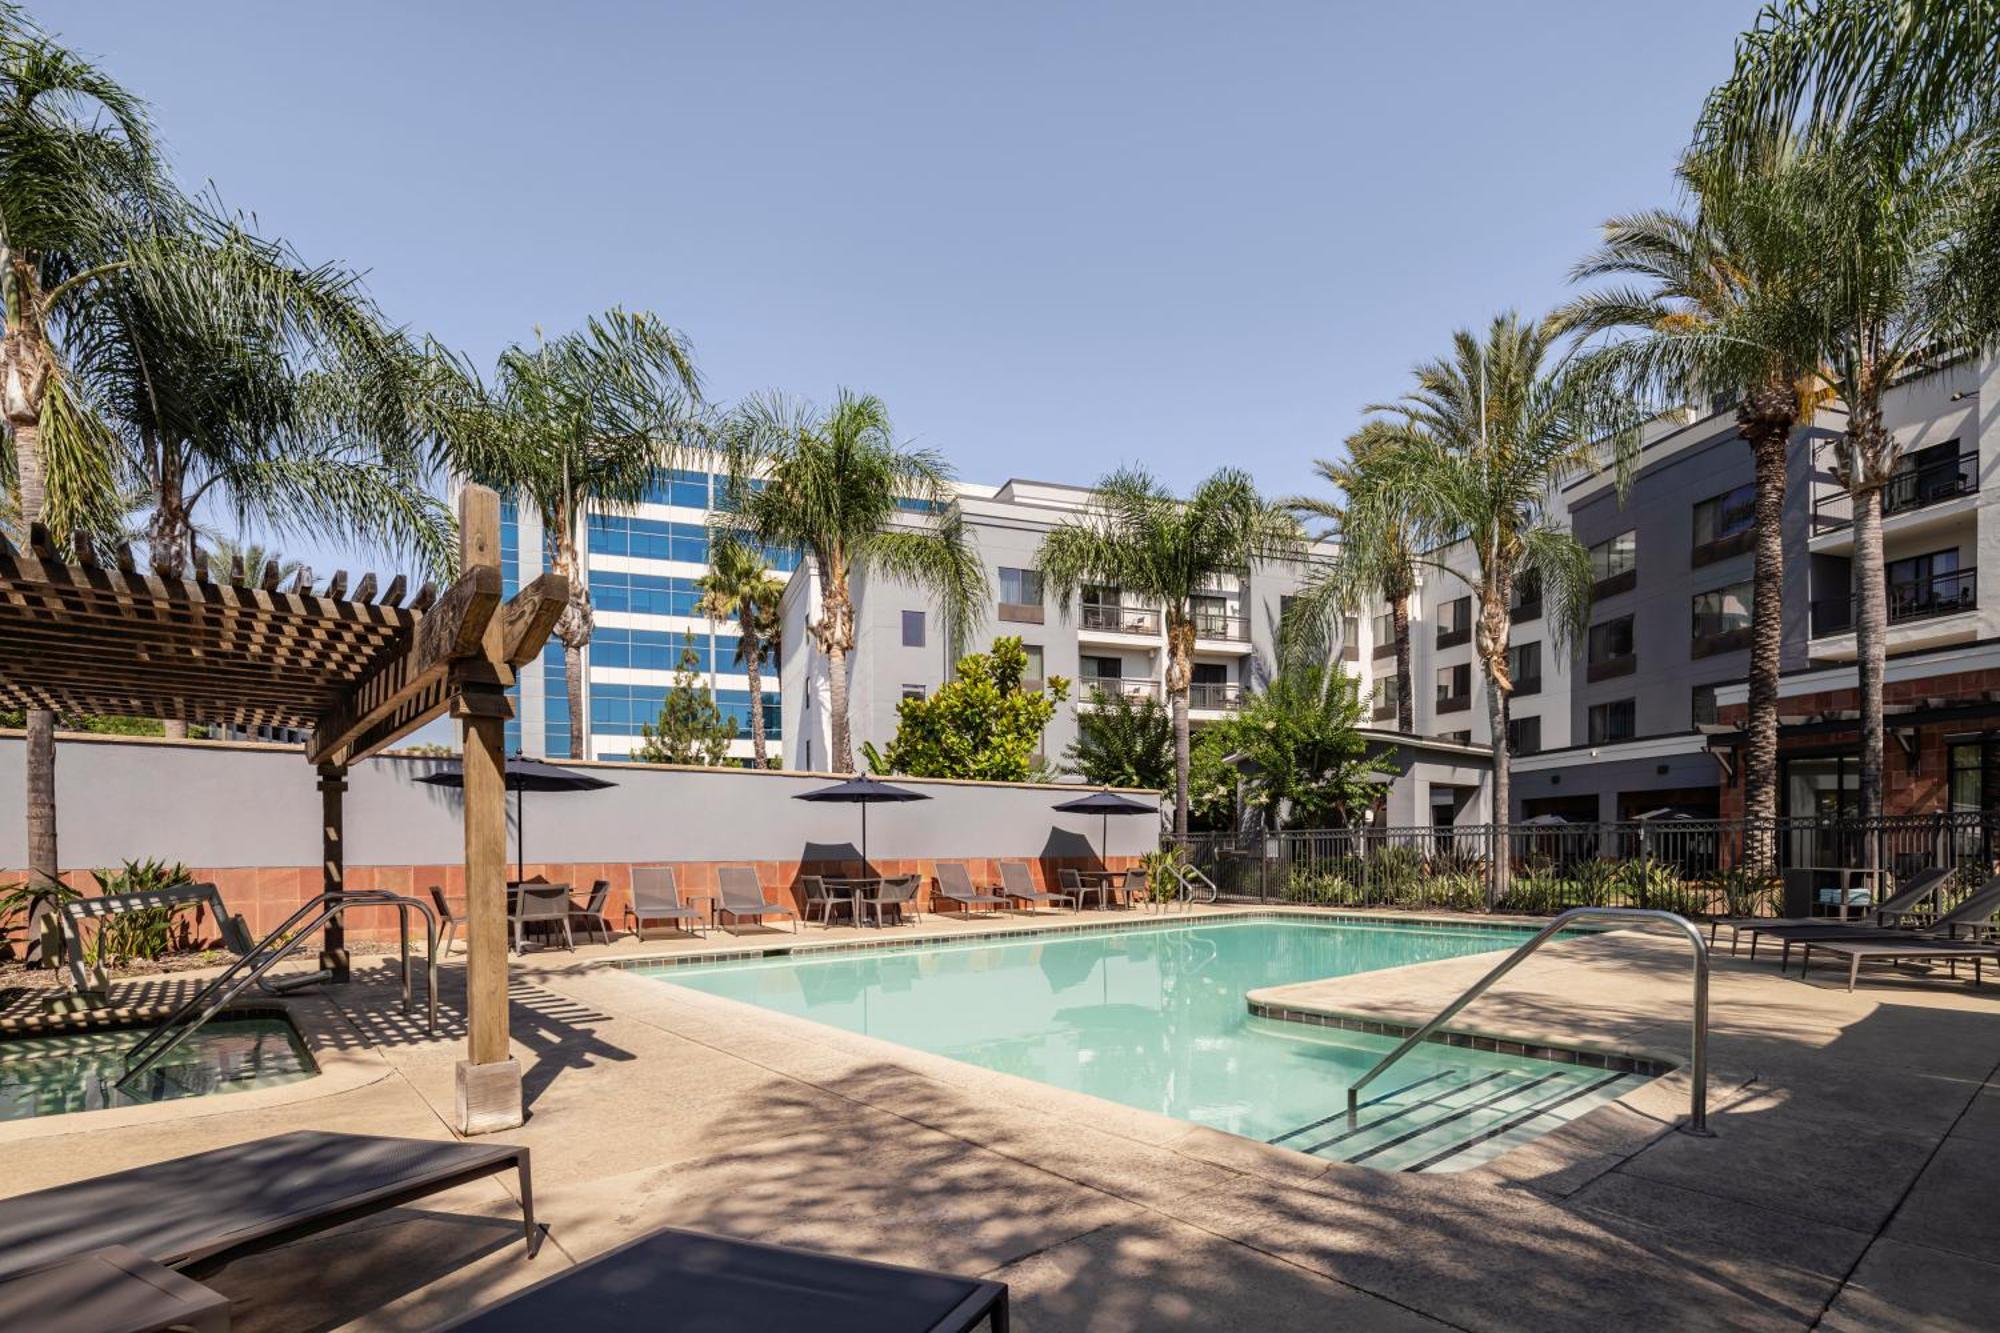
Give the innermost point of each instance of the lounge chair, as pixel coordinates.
(955, 886)
(244, 1198)
(656, 896)
(715, 1282)
(1072, 883)
(818, 896)
(1975, 913)
(1018, 883)
(446, 918)
(111, 1288)
(542, 905)
(1908, 900)
(1857, 952)
(591, 915)
(741, 895)
(894, 895)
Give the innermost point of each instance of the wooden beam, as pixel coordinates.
(530, 616)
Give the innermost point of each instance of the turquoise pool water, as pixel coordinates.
(1155, 1017)
(75, 1071)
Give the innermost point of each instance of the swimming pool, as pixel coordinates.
(53, 1075)
(1154, 1016)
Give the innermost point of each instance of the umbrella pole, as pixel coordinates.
(520, 839)
(864, 837)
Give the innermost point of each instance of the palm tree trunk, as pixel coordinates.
(1491, 637)
(1399, 613)
(1769, 436)
(841, 742)
(43, 864)
(1180, 671)
(836, 638)
(573, 687)
(753, 653)
(1871, 632)
(25, 374)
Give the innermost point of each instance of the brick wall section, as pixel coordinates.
(266, 895)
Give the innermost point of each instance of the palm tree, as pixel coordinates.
(739, 585)
(1713, 312)
(1371, 566)
(572, 426)
(836, 486)
(1476, 451)
(1138, 537)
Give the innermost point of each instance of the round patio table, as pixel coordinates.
(854, 888)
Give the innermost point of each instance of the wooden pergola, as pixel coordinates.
(356, 672)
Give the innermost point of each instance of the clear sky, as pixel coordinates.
(1054, 237)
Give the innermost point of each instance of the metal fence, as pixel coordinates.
(1696, 867)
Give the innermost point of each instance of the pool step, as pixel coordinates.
(1453, 1119)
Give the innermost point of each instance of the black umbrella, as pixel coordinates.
(523, 774)
(1105, 804)
(864, 791)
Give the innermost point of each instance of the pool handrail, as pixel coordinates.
(1697, 1122)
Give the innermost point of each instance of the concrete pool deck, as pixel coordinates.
(1849, 1184)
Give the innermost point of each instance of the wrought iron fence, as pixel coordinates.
(1696, 867)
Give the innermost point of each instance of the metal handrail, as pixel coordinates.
(1698, 1061)
(218, 993)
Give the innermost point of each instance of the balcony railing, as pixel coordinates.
(1911, 489)
(1384, 710)
(1215, 694)
(1213, 625)
(1527, 685)
(1132, 687)
(1107, 618)
(1453, 703)
(1942, 595)
(1606, 668)
(1450, 636)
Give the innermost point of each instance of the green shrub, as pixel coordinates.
(149, 933)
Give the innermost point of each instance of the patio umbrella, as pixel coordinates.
(864, 791)
(523, 775)
(1105, 804)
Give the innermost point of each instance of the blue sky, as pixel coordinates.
(1053, 237)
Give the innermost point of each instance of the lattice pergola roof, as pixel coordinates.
(249, 650)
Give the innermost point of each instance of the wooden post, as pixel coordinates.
(333, 866)
(489, 1079)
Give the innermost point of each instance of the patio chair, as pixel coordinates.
(591, 915)
(717, 1282)
(1916, 888)
(1899, 950)
(1136, 887)
(1975, 914)
(542, 905)
(656, 896)
(818, 896)
(447, 921)
(894, 895)
(245, 1197)
(1018, 883)
(741, 895)
(1072, 883)
(955, 886)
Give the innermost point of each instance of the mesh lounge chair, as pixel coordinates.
(1018, 883)
(243, 1198)
(1879, 949)
(955, 886)
(818, 896)
(1072, 883)
(1908, 900)
(1137, 889)
(591, 915)
(656, 896)
(1975, 914)
(894, 895)
(742, 895)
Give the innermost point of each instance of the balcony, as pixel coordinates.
(1944, 595)
(1522, 612)
(1454, 703)
(1527, 685)
(1609, 668)
(1612, 584)
(1221, 627)
(1718, 634)
(1452, 638)
(1383, 648)
(1906, 492)
(1215, 696)
(1020, 613)
(1114, 618)
(1132, 687)
(1384, 710)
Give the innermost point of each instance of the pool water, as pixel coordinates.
(75, 1071)
(1155, 1017)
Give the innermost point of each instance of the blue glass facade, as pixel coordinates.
(643, 594)
(619, 710)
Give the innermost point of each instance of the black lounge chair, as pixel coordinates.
(1913, 949)
(740, 895)
(241, 1199)
(591, 915)
(1908, 901)
(955, 886)
(1975, 913)
(657, 897)
(112, 1288)
(1018, 883)
(684, 1279)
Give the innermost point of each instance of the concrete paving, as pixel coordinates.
(1847, 1185)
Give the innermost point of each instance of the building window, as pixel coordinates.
(1611, 652)
(1101, 668)
(1704, 709)
(1524, 735)
(1454, 688)
(913, 629)
(913, 691)
(1032, 678)
(1385, 634)
(1615, 721)
(1975, 774)
(1724, 524)
(1721, 620)
(1614, 564)
(1021, 595)
(1455, 622)
(1524, 667)
(1526, 603)
(1456, 737)
(1385, 698)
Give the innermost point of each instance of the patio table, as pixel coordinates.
(1109, 879)
(854, 888)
